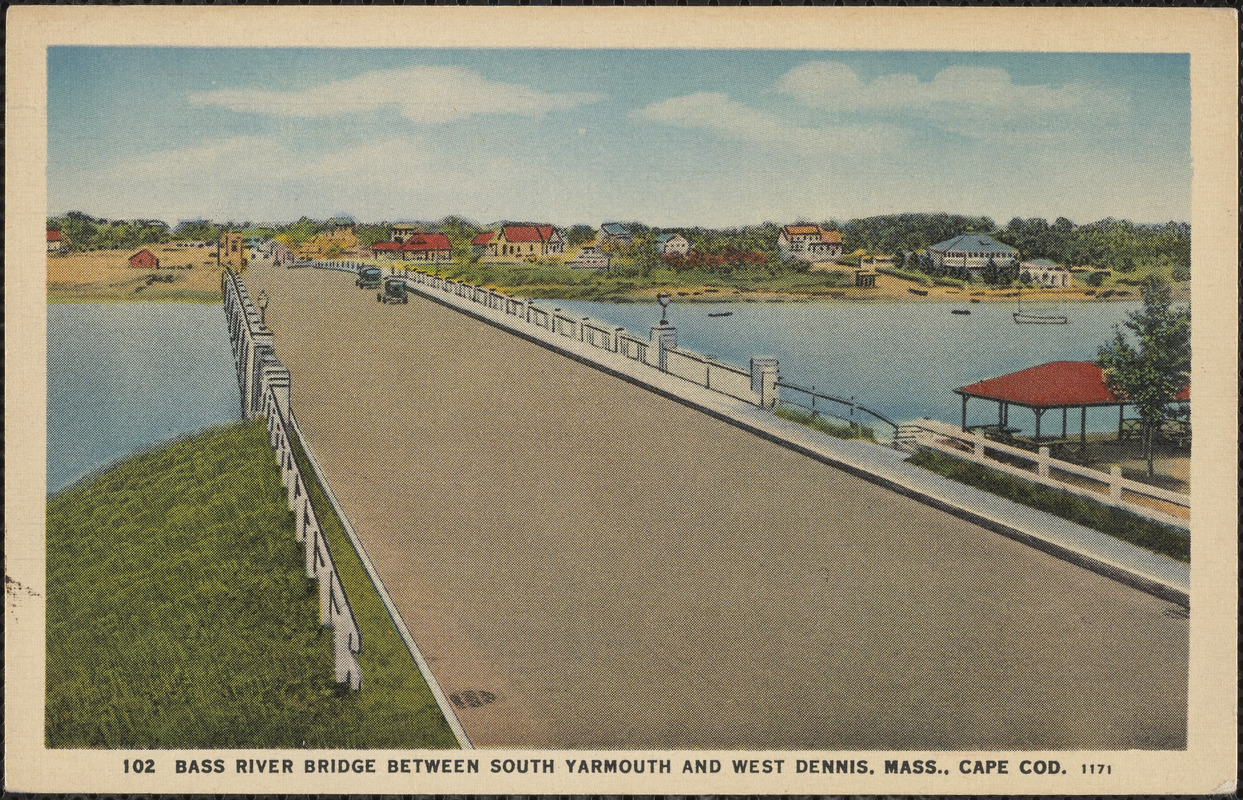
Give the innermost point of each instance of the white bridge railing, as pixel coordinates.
(1162, 505)
(264, 383)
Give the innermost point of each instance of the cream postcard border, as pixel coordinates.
(1208, 35)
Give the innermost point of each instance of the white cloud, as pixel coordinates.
(259, 177)
(958, 98)
(730, 119)
(430, 95)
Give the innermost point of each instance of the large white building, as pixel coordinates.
(1044, 272)
(973, 251)
(809, 243)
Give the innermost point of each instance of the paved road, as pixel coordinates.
(619, 570)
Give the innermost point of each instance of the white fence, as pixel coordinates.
(264, 383)
(1111, 489)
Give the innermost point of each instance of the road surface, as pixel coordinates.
(604, 567)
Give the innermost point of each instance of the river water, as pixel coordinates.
(902, 359)
(122, 377)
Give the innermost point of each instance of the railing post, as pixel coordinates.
(1042, 465)
(764, 380)
(1115, 483)
(665, 336)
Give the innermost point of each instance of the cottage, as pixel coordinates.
(973, 252)
(144, 259)
(1044, 272)
(405, 231)
(590, 257)
(615, 232)
(515, 242)
(56, 242)
(429, 247)
(809, 243)
(672, 244)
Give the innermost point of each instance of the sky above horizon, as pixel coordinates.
(666, 137)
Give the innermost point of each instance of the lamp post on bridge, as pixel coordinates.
(664, 298)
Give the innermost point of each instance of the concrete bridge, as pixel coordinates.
(585, 563)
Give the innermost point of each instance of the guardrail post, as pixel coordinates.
(665, 336)
(617, 332)
(764, 380)
(978, 444)
(1115, 483)
(1042, 464)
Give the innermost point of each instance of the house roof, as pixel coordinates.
(833, 237)
(1057, 384)
(664, 237)
(483, 238)
(528, 233)
(53, 236)
(428, 241)
(973, 243)
(140, 252)
(801, 230)
(615, 229)
(386, 246)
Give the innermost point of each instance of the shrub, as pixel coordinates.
(1097, 278)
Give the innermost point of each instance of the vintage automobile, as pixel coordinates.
(368, 278)
(395, 291)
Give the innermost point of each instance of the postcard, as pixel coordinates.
(625, 401)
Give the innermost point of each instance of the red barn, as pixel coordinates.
(144, 259)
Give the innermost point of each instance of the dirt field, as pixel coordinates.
(606, 568)
(105, 275)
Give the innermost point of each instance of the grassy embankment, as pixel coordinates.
(841, 430)
(1116, 522)
(179, 614)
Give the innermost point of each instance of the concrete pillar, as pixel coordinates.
(764, 380)
(1042, 463)
(617, 332)
(1115, 483)
(664, 336)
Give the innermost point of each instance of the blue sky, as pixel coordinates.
(670, 138)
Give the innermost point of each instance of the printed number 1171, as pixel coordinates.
(1097, 769)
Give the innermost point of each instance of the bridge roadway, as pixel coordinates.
(619, 570)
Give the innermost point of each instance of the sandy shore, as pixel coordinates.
(185, 274)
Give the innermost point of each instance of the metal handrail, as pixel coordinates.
(849, 403)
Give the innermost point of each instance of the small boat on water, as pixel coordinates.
(720, 313)
(974, 300)
(1021, 318)
(960, 311)
(920, 292)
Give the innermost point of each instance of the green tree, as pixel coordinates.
(579, 234)
(1151, 375)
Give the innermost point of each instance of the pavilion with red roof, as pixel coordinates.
(1057, 384)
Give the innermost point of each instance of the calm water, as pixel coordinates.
(901, 359)
(122, 377)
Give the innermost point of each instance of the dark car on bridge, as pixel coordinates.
(368, 278)
(395, 291)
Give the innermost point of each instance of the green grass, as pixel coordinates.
(1116, 522)
(179, 614)
(841, 430)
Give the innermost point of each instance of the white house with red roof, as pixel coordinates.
(519, 242)
(56, 242)
(809, 243)
(429, 247)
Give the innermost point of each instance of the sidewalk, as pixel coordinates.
(1149, 572)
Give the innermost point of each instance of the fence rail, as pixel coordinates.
(264, 384)
(1110, 488)
(852, 405)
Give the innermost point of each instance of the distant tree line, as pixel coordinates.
(85, 232)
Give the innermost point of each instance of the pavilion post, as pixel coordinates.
(1121, 409)
(1083, 429)
(1064, 410)
(964, 413)
(1039, 413)
(1001, 414)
